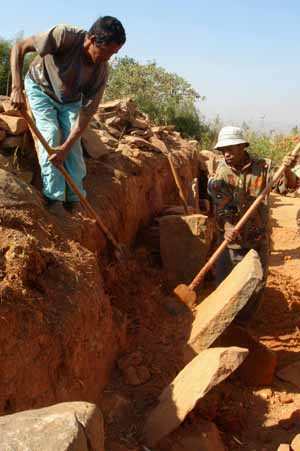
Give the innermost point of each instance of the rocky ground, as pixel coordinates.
(248, 417)
(59, 281)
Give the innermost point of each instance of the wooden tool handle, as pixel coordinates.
(178, 183)
(199, 277)
(70, 181)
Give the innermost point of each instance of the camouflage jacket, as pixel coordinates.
(233, 191)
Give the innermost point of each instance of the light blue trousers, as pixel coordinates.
(55, 120)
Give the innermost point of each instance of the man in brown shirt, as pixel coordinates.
(64, 86)
(237, 181)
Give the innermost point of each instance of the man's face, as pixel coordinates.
(100, 53)
(234, 155)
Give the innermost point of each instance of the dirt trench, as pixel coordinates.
(78, 325)
(61, 328)
(249, 417)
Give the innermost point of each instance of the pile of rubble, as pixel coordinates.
(16, 154)
(116, 125)
(119, 125)
(117, 128)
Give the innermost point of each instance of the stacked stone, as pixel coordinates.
(14, 141)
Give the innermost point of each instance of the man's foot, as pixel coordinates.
(74, 207)
(55, 207)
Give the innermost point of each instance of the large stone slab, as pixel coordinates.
(218, 310)
(70, 426)
(184, 245)
(205, 371)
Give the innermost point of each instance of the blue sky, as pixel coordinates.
(242, 55)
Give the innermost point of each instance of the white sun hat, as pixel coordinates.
(230, 136)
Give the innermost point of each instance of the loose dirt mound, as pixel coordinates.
(51, 299)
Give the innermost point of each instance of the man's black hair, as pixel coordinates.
(108, 30)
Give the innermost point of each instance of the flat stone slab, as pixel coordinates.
(70, 426)
(205, 371)
(219, 309)
(290, 373)
(184, 245)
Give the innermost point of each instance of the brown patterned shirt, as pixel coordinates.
(233, 191)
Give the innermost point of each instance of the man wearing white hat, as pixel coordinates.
(238, 180)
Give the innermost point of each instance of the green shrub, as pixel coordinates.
(271, 146)
(167, 98)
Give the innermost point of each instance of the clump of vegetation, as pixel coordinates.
(166, 97)
(5, 77)
(4, 66)
(272, 146)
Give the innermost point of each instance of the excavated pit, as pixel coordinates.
(62, 326)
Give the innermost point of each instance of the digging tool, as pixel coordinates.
(178, 183)
(187, 293)
(167, 153)
(72, 184)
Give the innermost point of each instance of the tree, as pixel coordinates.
(295, 130)
(166, 97)
(4, 66)
(5, 77)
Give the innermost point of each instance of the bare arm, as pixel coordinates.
(18, 52)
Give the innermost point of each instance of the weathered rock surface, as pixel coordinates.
(135, 141)
(13, 124)
(205, 371)
(6, 107)
(291, 373)
(219, 309)
(76, 426)
(184, 245)
(93, 143)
